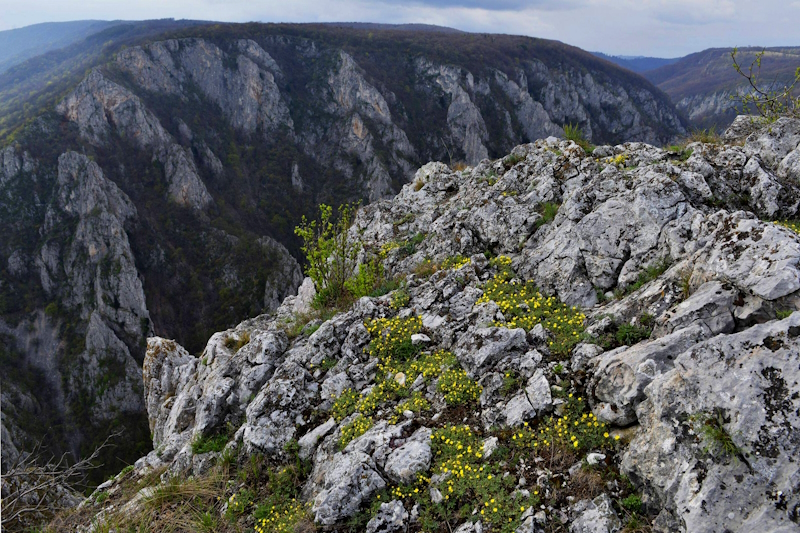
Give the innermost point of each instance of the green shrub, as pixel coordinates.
(632, 503)
(548, 210)
(512, 159)
(214, 443)
(368, 277)
(575, 134)
(629, 334)
(330, 255)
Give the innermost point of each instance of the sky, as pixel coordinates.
(659, 28)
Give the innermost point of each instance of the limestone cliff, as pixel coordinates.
(565, 319)
(159, 194)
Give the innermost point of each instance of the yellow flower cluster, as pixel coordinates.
(354, 429)
(456, 262)
(388, 247)
(524, 306)
(283, 519)
(576, 429)
(416, 403)
(401, 493)
(468, 481)
(237, 503)
(457, 388)
(456, 442)
(619, 160)
(345, 405)
(430, 365)
(383, 391)
(391, 337)
(501, 262)
(793, 225)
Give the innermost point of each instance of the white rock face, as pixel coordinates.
(403, 463)
(351, 480)
(99, 106)
(595, 516)
(748, 382)
(392, 516)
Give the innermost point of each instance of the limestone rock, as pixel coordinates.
(405, 462)
(595, 516)
(391, 517)
(351, 480)
(746, 383)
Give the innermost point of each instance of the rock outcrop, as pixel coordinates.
(99, 106)
(689, 371)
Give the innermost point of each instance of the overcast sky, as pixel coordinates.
(662, 28)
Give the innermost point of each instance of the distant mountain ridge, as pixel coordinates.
(21, 44)
(637, 64)
(397, 27)
(701, 85)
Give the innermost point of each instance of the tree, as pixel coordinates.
(771, 100)
(331, 255)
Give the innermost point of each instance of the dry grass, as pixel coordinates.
(586, 484)
(558, 458)
(180, 505)
(707, 136)
(235, 344)
(426, 269)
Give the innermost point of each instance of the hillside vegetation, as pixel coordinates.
(18, 45)
(701, 84)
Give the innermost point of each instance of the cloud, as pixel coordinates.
(662, 28)
(691, 12)
(497, 5)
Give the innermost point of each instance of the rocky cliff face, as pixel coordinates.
(159, 195)
(565, 319)
(76, 314)
(361, 129)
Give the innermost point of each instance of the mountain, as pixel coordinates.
(28, 89)
(637, 63)
(397, 27)
(701, 84)
(151, 177)
(21, 44)
(572, 342)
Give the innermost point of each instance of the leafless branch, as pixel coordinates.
(35, 485)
